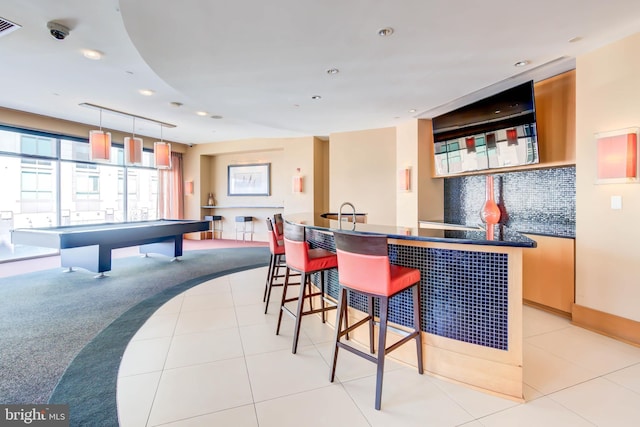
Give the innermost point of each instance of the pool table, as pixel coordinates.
(89, 246)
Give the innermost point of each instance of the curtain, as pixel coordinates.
(170, 190)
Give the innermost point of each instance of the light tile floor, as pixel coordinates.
(210, 357)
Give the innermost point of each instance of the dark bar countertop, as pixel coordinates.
(452, 233)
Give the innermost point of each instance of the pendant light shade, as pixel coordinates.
(162, 154)
(133, 147)
(133, 150)
(100, 145)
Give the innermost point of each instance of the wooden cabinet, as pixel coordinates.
(555, 100)
(549, 273)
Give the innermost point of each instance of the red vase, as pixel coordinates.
(490, 212)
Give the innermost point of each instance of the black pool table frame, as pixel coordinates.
(89, 246)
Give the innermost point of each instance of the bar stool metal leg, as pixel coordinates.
(382, 348)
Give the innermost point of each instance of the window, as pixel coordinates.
(49, 180)
(37, 146)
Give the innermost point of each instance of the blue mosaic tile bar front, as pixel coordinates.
(463, 294)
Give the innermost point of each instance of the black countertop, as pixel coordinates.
(502, 236)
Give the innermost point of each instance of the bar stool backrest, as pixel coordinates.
(363, 262)
(273, 240)
(296, 247)
(277, 218)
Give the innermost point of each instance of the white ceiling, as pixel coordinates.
(257, 63)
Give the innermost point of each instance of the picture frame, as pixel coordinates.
(249, 179)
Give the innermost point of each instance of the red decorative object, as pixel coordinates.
(512, 136)
(471, 144)
(490, 212)
(618, 156)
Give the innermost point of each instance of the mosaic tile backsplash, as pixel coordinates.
(534, 201)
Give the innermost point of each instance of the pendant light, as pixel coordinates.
(133, 147)
(162, 153)
(100, 143)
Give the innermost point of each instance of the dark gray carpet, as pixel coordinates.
(62, 335)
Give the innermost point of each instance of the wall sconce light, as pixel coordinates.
(404, 179)
(162, 153)
(617, 156)
(100, 143)
(471, 144)
(491, 140)
(188, 187)
(298, 182)
(133, 147)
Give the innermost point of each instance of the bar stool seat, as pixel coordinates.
(305, 261)
(364, 267)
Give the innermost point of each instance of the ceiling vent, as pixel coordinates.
(7, 26)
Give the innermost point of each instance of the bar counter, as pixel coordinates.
(471, 297)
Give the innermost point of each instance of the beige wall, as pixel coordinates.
(430, 190)
(607, 254)
(362, 167)
(207, 165)
(407, 157)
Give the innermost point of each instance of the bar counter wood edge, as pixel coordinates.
(469, 338)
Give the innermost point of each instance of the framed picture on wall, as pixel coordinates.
(249, 180)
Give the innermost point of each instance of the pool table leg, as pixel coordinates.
(171, 247)
(94, 258)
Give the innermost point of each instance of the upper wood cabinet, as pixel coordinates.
(555, 100)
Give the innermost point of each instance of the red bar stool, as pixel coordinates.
(305, 261)
(276, 262)
(364, 267)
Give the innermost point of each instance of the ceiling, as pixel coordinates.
(256, 65)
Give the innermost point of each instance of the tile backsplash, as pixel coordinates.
(539, 201)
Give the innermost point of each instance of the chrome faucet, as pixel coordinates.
(353, 208)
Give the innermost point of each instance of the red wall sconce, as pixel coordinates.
(298, 182)
(617, 156)
(471, 144)
(404, 179)
(512, 136)
(188, 187)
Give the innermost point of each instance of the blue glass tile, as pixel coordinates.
(534, 201)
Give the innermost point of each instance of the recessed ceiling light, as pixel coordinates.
(575, 39)
(316, 97)
(413, 110)
(92, 54)
(146, 92)
(176, 104)
(216, 117)
(385, 32)
(333, 71)
(201, 113)
(521, 63)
